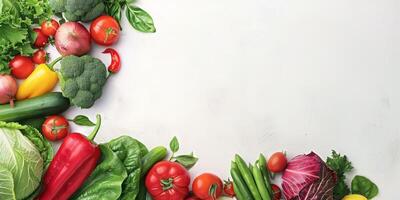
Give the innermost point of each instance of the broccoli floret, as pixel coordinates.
(83, 79)
(78, 10)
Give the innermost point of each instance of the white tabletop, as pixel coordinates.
(229, 76)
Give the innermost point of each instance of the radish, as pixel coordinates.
(72, 38)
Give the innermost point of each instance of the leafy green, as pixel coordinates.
(341, 165)
(78, 10)
(137, 17)
(188, 161)
(16, 20)
(364, 186)
(140, 19)
(105, 181)
(42, 145)
(83, 121)
(174, 145)
(20, 156)
(130, 153)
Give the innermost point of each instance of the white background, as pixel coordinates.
(229, 76)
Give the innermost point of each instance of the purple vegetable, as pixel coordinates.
(307, 177)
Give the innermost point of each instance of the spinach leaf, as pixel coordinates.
(105, 181)
(130, 152)
(140, 19)
(364, 186)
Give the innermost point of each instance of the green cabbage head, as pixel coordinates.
(23, 156)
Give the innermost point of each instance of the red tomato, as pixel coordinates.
(207, 186)
(21, 66)
(49, 27)
(228, 188)
(105, 30)
(192, 198)
(276, 192)
(55, 127)
(277, 162)
(168, 180)
(40, 56)
(41, 39)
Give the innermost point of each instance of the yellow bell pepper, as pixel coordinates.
(354, 197)
(41, 81)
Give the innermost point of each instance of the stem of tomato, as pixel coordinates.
(167, 183)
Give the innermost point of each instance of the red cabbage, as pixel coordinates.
(307, 177)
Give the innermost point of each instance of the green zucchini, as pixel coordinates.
(48, 104)
(151, 158)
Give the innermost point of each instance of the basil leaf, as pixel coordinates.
(188, 161)
(115, 11)
(174, 144)
(140, 19)
(83, 121)
(364, 186)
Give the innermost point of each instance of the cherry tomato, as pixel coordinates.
(21, 66)
(55, 128)
(277, 162)
(168, 180)
(40, 56)
(105, 30)
(207, 186)
(228, 188)
(41, 39)
(49, 27)
(276, 191)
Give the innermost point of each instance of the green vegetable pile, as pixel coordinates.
(16, 20)
(124, 162)
(82, 79)
(78, 10)
(359, 185)
(25, 154)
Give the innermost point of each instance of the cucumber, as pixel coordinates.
(154, 155)
(48, 104)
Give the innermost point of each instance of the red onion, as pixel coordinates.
(8, 89)
(72, 38)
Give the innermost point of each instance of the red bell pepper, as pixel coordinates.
(71, 166)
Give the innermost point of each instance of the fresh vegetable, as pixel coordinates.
(77, 10)
(168, 180)
(40, 56)
(276, 192)
(21, 66)
(106, 180)
(354, 197)
(247, 177)
(34, 122)
(24, 154)
(188, 161)
(82, 79)
(56, 127)
(41, 39)
(115, 65)
(229, 188)
(207, 186)
(105, 30)
(265, 173)
(72, 38)
(363, 186)
(48, 104)
(41, 81)
(137, 17)
(259, 180)
(152, 157)
(277, 162)
(241, 189)
(72, 164)
(82, 120)
(49, 27)
(307, 175)
(8, 89)
(16, 20)
(341, 165)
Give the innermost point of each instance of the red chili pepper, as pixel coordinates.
(71, 166)
(115, 65)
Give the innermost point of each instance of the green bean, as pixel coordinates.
(240, 186)
(248, 177)
(262, 188)
(265, 172)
